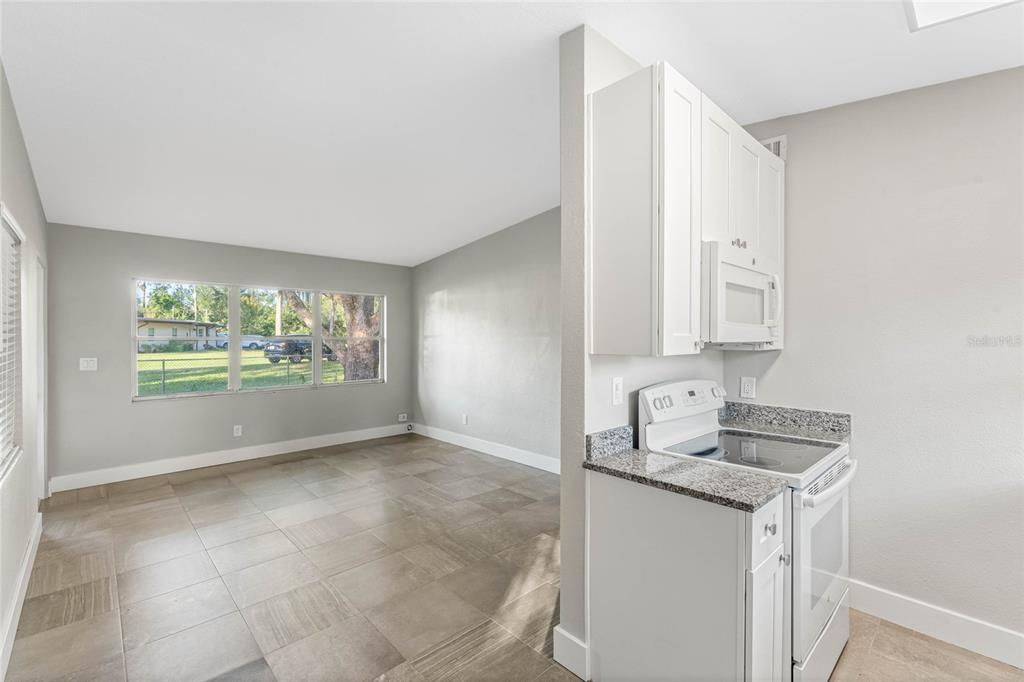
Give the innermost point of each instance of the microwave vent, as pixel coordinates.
(776, 145)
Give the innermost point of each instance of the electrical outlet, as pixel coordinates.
(465, 419)
(88, 364)
(617, 391)
(237, 431)
(748, 387)
(403, 417)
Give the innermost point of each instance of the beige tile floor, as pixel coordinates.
(398, 559)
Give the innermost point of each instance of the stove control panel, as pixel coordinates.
(676, 399)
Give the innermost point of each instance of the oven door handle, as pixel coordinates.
(833, 490)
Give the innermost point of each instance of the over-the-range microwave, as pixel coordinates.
(741, 305)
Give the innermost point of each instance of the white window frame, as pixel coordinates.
(10, 458)
(234, 338)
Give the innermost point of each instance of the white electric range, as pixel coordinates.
(680, 418)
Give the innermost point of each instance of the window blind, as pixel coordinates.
(10, 347)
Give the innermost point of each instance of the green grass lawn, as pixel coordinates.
(207, 372)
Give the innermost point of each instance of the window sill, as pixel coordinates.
(243, 391)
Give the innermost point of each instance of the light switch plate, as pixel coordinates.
(748, 387)
(237, 431)
(88, 364)
(617, 391)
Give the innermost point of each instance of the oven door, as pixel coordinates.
(821, 553)
(743, 305)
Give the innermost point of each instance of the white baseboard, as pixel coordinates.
(958, 629)
(533, 459)
(10, 628)
(571, 653)
(205, 459)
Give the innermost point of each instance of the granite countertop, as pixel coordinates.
(611, 452)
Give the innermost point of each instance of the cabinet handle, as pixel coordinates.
(784, 559)
(770, 529)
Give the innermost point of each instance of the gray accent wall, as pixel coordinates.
(94, 422)
(904, 250)
(487, 337)
(22, 484)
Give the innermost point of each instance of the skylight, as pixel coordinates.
(925, 13)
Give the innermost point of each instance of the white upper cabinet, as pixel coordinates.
(743, 186)
(645, 198)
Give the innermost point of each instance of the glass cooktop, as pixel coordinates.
(773, 454)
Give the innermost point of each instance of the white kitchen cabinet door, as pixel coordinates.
(644, 237)
(743, 185)
(764, 657)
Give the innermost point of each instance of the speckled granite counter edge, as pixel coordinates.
(786, 421)
(609, 441)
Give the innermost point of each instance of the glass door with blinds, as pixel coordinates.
(10, 346)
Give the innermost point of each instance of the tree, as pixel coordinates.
(360, 317)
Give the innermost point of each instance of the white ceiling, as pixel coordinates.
(396, 132)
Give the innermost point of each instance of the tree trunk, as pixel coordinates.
(361, 359)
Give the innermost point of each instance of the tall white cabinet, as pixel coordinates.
(671, 174)
(645, 199)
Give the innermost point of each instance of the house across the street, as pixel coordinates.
(203, 334)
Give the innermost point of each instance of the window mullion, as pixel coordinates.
(318, 346)
(234, 339)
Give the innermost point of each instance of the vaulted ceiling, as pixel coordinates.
(395, 132)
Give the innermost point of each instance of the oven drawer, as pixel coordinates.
(764, 532)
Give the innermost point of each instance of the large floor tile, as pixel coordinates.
(339, 483)
(281, 496)
(224, 532)
(532, 618)
(459, 514)
(421, 500)
(341, 555)
(404, 486)
(418, 621)
(352, 651)
(538, 487)
(199, 653)
(254, 671)
(403, 672)
(59, 572)
(376, 582)
(501, 500)
(321, 530)
(468, 487)
(377, 513)
(491, 583)
(297, 614)
(301, 512)
(486, 652)
(251, 551)
(539, 556)
(499, 533)
(129, 556)
(66, 606)
(166, 576)
(51, 654)
(557, 673)
(356, 497)
(166, 614)
(266, 580)
(208, 514)
(407, 532)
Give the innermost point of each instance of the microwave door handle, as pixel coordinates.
(837, 487)
(775, 301)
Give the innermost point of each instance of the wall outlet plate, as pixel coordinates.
(403, 417)
(465, 419)
(748, 387)
(88, 364)
(237, 431)
(617, 391)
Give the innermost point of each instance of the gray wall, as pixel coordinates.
(95, 424)
(487, 337)
(21, 486)
(903, 239)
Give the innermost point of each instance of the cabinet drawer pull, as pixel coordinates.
(770, 529)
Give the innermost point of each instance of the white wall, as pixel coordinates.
(903, 240)
(20, 487)
(588, 62)
(486, 329)
(91, 298)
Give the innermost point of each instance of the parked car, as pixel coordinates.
(295, 350)
(254, 342)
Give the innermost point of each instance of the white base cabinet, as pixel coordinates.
(645, 215)
(682, 589)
